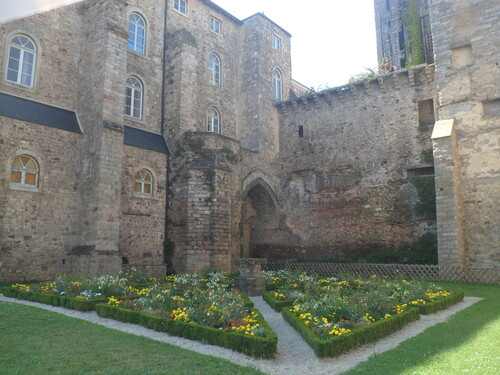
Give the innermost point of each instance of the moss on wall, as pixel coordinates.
(415, 51)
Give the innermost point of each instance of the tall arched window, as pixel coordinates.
(22, 61)
(143, 183)
(136, 33)
(277, 85)
(134, 97)
(213, 120)
(24, 172)
(214, 65)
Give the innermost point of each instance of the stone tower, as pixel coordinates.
(403, 32)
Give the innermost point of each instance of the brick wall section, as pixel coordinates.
(468, 81)
(344, 185)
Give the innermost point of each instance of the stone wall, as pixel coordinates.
(82, 64)
(346, 158)
(468, 80)
(142, 227)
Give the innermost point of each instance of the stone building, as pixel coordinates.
(404, 35)
(255, 165)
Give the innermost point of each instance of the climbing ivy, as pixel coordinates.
(415, 51)
(426, 190)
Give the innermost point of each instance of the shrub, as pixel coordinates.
(255, 346)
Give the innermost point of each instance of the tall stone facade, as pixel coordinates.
(467, 139)
(258, 167)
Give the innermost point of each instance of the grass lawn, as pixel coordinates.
(35, 341)
(469, 343)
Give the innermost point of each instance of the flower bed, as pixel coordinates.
(205, 309)
(334, 315)
(80, 294)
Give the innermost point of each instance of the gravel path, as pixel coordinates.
(294, 356)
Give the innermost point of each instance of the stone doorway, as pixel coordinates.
(259, 217)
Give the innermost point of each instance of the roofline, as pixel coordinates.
(270, 20)
(222, 10)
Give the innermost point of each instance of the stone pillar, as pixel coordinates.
(448, 194)
(250, 279)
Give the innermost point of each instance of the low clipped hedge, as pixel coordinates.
(255, 346)
(432, 307)
(363, 335)
(248, 302)
(54, 299)
(276, 305)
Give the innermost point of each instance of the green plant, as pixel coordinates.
(424, 250)
(427, 156)
(385, 256)
(426, 191)
(414, 46)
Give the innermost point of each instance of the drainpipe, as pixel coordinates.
(163, 124)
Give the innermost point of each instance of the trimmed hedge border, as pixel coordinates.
(255, 346)
(54, 299)
(363, 335)
(276, 305)
(432, 307)
(340, 344)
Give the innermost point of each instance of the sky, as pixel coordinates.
(332, 40)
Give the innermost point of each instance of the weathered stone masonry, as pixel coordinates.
(325, 174)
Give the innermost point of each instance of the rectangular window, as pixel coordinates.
(276, 43)
(301, 131)
(215, 25)
(180, 6)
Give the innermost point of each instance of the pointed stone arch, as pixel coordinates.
(259, 212)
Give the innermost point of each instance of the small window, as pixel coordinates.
(215, 25)
(213, 120)
(143, 183)
(136, 33)
(180, 6)
(22, 60)
(214, 66)
(277, 85)
(24, 172)
(301, 131)
(277, 43)
(133, 98)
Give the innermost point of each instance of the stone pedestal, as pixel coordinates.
(250, 279)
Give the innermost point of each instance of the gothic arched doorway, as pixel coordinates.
(259, 217)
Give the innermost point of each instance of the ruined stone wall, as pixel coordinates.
(468, 80)
(346, 155)
(205, 201)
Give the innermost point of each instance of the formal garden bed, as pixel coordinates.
(334, 315)
(203, 307)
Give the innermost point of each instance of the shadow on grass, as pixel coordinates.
(467, 342)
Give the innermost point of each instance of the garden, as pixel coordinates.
(332, 314)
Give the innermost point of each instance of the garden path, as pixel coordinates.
(294, 356)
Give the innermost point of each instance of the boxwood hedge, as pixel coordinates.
(255, 346)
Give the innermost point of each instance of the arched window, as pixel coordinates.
(24, 172)
(143, 183)
(277, 85)
(133, 97)
(213, 120)
(136, 33)
(214, 65)
(22, 60)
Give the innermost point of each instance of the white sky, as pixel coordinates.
(332, 40)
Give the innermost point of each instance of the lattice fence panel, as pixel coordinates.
(474, 275)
